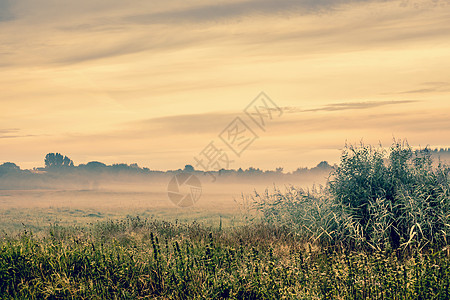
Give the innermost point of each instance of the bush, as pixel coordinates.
(307, 213)
(373, 199)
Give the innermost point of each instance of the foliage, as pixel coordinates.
(372, 200)
(140, 258)
(56, 160)
(9, 167)
(379, 229)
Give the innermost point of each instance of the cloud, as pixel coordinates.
(71, 32)
(182, 136)
(432, 87)
(419, 91)
(211, 124)
(5, 11)
(94, 54)
(412, 123)
(10, 133)
(349, 105)
(130, 46)
(8, 130)
(221, 11)
(355, 29)
(192, 124)
(232, 10)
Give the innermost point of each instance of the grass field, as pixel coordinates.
(36, 209)
(378, 230)
(141, 258)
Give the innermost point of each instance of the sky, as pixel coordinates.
(161, 83)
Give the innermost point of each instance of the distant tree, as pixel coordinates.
(9, 167)
(53, 160)
(95, 165)
(56, 160)
(189, 168)
(120, 167)
(323, 165)
(67, 162)
(279, 170)
(226, 172)
(252, 170)
(301, 170)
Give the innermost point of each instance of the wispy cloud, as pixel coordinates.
(231, 10)
(431, 88)
(369, 31)
(107, 52)
(209, 125)
(349, 106)
(131, 45)
(412, 123)
(119, 28)
(5, 11)
(10, 133)
(191, 124)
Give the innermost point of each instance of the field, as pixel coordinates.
(138, 258)
(379, 229)
(34, 210)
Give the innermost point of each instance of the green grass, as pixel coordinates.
(378, 230)
(138, 258)
(14, 220)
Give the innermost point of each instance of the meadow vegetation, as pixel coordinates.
(379, 229)
(374, 199)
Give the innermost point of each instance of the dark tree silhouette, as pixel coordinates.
(56, 160)
(189, 168)
(9, 167)
(323, 165)
(67, 162)
(95, 165)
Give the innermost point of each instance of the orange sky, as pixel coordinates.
(154, 82)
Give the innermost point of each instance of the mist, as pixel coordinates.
(77, 195)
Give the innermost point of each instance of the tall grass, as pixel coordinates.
(140, 258)
(375, 198)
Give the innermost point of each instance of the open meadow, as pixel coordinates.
(378, 229)
(36, 209)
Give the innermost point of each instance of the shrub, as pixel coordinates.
(373, 199)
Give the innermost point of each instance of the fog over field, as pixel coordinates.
(87, 193)
(95, 191)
